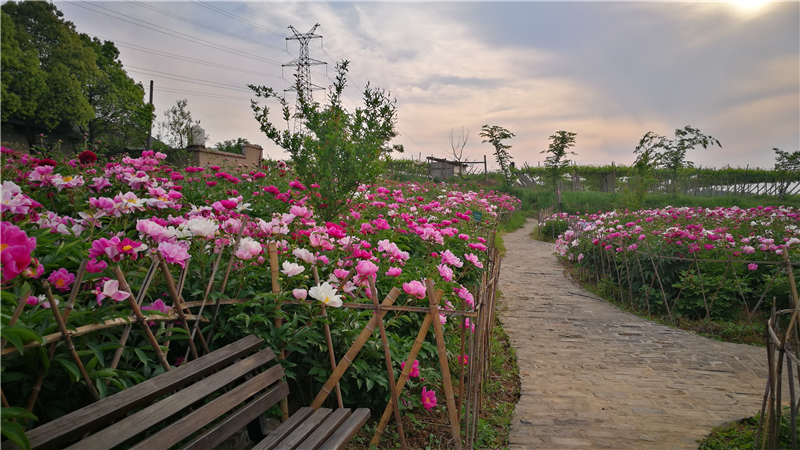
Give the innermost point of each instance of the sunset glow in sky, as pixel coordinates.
(609, 72)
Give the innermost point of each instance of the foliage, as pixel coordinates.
(121, 117)
(670, 154)
(12, 429)
(787, 165)
(741, 435)
(495, 135)
(557, 160)
(232, 146)
(51, 87)
(176, 129)
(407, 227)
(336, 150)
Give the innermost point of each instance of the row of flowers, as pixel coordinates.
(394, 234)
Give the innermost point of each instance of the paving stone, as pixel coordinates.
(594, 376)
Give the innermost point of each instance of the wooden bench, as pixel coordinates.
(198, 406)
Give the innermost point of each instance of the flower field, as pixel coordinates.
(718, 262)
(60, 216)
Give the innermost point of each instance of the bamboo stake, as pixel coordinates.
(660, 284)
(276, 289)
(347, 359)
(446, 381)
(67, 340)
(210, 337)
(461, 365)
(176, 300)
(329, 340)
(37, 387)
(389, 365)
(123, 286)
(401, 381)
(127, 330)
(792, 405)
(205, 298)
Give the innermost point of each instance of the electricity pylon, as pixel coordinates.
(303, 85)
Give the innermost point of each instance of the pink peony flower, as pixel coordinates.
(96, 267)
(474, 260)
(394, 272)
(445, 272)
(463, 359)
(61, 279)
(449, 258)
(15, 250)
(752, 266)
(428, 398)
(300, 294)
(366, 269)
(414, 372)
(111, 290)
(414, 288)
(173, 253)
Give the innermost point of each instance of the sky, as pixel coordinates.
(608, 71)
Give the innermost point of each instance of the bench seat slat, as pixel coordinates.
(347, 431)
(238, 420)
(155, 414)
(198, 418)
(286, 428)
(58, 432)
(324, 431)
(308, 426)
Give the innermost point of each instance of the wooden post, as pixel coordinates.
(389, 365)
(127, 330)
(347, 359)
(485, 170)
(446, 381)
(123, 286)
(210, 336)
(401, 381)
(176, 300)
(276, 289)
(329, 340)
(67, 340)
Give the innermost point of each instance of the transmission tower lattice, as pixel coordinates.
(303, 86)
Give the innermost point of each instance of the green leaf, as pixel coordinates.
(72, 369)
(16, 413)
(14, 432)
(140, 354)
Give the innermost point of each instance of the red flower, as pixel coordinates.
(87, 157)
(46, 162)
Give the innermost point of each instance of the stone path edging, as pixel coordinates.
(594, 376)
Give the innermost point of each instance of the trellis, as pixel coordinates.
(463, 417)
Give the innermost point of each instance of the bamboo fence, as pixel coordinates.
(462, 416)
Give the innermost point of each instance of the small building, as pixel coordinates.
(442, 169)
(202, 157)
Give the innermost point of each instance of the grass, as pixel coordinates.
(741, 435)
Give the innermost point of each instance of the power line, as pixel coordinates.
(200, 94)
(184, 58)
(177, 77)
(235, 17)
(204, 26)
(175, 34)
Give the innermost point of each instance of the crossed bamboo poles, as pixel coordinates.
(478, 347)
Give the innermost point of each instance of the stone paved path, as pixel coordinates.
(594, 376)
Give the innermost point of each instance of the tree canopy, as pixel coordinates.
(495, 135)
(53, 75)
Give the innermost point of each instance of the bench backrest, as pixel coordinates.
(185, 412)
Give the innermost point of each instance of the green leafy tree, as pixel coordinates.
(65, 66)
(670, 154)
(22, 80)
(787, 166)
(558, 150)
(495, 135)
(337, 149)
(121, 116)
(231, 145)
(176, 129)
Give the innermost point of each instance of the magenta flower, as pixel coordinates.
(157, 305)
(428, 398)
(449, 258)
(15, 250)
(474, 260)
(752, 266)
(414, 288)
(111, 290)
(366, 269)
(463, 359)
(173, 253)
(61, 279)
(93, 266)
(105, 247)
(414, 372)
(394, 272)
(445, 272)
(228, 204)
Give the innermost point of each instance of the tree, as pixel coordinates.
(65, 67)
(176, 129)
(787, 165)
(121, 116)
(338, 149)
(231, 145)
(558, 150)
(457, 145)
(670, 154)
(495, 135)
